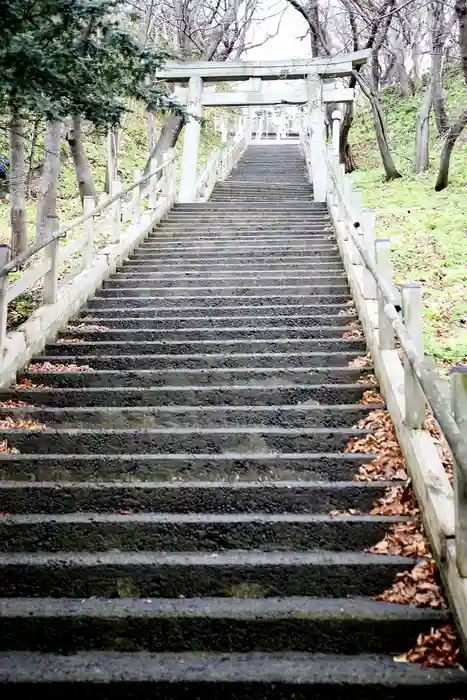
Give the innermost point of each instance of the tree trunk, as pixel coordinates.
(111, 171)
(46, 210)
(453, 134)
(422, 154)
(150, 132)
(74, 137)
(439, 103)
(18, 219)
(167, 139)
(380, 128)
(32, 155)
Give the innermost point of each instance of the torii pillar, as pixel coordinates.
(314, 89)
(191, 139)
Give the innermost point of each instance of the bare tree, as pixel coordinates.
(459, 125)
(74, 137)
(208, 30)
(19, 230)
(46, 210)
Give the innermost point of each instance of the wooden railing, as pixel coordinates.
(392, 323)
(150, 195)
(220, 164)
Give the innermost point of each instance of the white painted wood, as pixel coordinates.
(336, 127)
(339, 65)
(368, 225)
(89, 233)
(412, 314)
(458, 377)
(27, 279)
(51, 258)
(314, 88)
(191, 140)
(76, 245)
(258, 97)
(383, 260)
(136, 203)
(116, 213)
(4, 259)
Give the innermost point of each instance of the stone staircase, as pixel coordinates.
(169, 533)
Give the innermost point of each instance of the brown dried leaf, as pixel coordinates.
(417, 587)
(404, 540)
(51, 367)
(389, 464)
(398, 500)
(442, 447)
(439, 648)
(9, 423)
(26, 383)
(14, 404)
(362, 362)
(355, 334)
(70, 340)
(4, 447)
(87, 327)
(371, 396)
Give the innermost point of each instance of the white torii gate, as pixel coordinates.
(315, 92)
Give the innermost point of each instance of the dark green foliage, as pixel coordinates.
(60, 57)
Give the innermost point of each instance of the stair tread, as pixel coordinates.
(243, 608)
(290, 668)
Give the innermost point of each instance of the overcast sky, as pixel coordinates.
(285, 44)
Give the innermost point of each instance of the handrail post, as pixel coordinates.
(368, 225)
(116, 213)
(89, 231)
(412, 314)
(383, 260)
(355, 224)
(51, 277)
(336, 131)
(153, 184)
(136, 205)
(458, 377)
(171, 177)
(5, 255)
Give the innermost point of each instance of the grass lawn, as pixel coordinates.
(428, 229)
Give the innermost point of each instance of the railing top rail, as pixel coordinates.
(426, 377)
(19, 259)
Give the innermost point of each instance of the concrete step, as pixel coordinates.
(202, 236)
(194, 532)
(247, 268)
(254, 320)
(337, 625)
(235, 332)
(238, 395)
(172, 440)
(189, 497)
(251, 675)
(146, 300)
(219, 377)
(201, 361)
(308, 416)
(181, 467)
(163, 252)
(189, 347)
(192, 574)
(213, 257)
(146, 279)
(212, 289)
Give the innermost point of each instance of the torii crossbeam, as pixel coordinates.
(314, 92)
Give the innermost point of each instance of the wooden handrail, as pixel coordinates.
(63, 230)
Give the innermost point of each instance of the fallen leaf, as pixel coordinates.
(417, 587)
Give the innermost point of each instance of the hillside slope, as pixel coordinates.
(428, 229)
